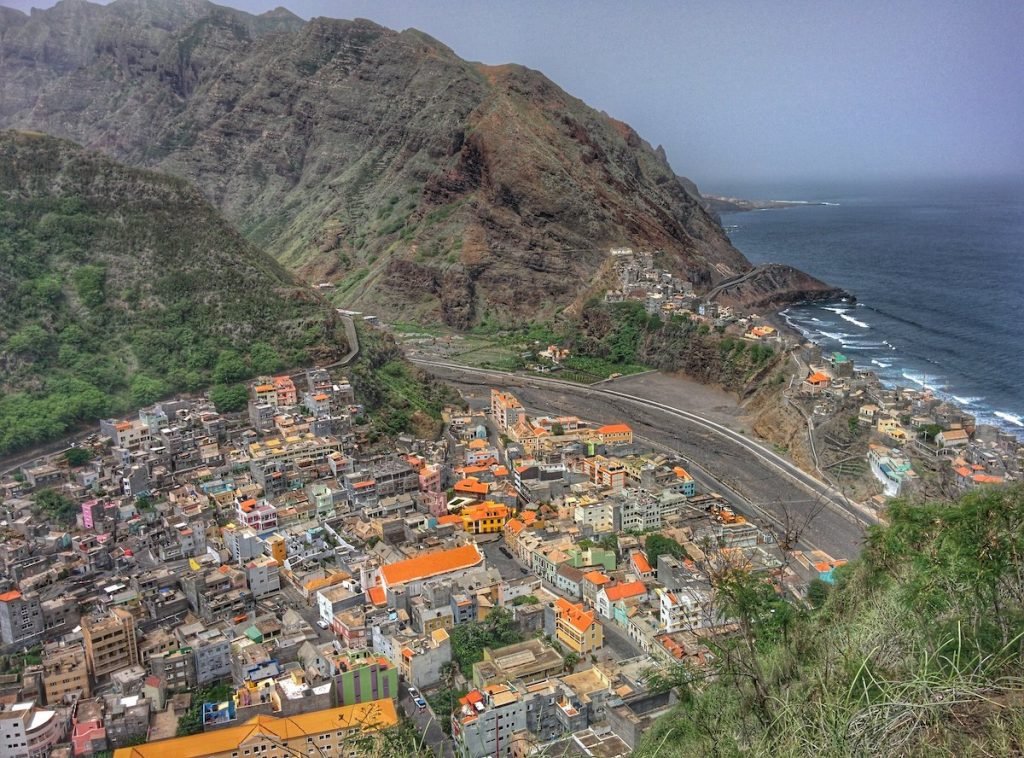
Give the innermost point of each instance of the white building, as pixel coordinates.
(263, 576)
(28, 732)
(683, 609)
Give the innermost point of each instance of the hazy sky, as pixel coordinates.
(751, 90)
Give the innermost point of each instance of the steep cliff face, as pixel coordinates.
(425, 186)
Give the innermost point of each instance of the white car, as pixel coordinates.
(322, 624)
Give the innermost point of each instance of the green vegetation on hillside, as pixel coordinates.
(398, 397)
(622, 338)
(120, 286)
(625, 334)
(917, 650)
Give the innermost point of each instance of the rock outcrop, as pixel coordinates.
(775, 285)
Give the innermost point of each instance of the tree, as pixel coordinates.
(658, 544)
(78, 456)
(570, 661)
(229, 398)
(56, 505)
(229, 368)
(470, 639)
(817, 592)
(146, 390)
(557, 429)
(265, 359)
(610, 542)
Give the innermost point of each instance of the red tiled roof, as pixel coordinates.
(431, 564)
(641, 563)
(621, 591)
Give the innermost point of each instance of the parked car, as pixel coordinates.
(322, 624)
(414, 693)
(420, 703)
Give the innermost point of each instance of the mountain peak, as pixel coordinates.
(419, 183)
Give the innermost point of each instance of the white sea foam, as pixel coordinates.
(840, 311)
(833, 204)
(1010, 418)
(967, 400)
(837, 336)
(881, 364)
(921, 380)
(854, 321)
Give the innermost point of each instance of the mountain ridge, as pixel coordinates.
(424, 186)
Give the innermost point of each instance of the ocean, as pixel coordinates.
(938, 273)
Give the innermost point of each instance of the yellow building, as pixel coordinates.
(615, 434)
(891, 428)
(484, 518)
(65, 672)
(278, 548)
(334, 731)
(576, 628)
(110, 642)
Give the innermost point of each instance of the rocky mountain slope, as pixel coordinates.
(423, 185)
(119, 286)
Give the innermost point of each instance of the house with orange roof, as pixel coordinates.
(264, 392)
(684, 482)
(576, 627)
(430, 478)
(331, 730)
(816, 383)
(592, 582)
(472, 487)
(607, 596)
(484, 518)
(615, 434)
(506, 409)
(760, 332)
(412, 572)
(450, 519)
(284, 388)
(640, 565)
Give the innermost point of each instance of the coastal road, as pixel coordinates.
(813, 513)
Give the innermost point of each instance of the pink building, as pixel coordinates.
(257, 514)
(430, 479)
(89, 737)
(284, 387)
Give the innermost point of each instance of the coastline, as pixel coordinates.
(785, 328)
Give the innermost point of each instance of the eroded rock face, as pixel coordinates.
(776, 285)
(503, 190)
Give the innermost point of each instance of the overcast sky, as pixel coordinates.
(821, 89)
